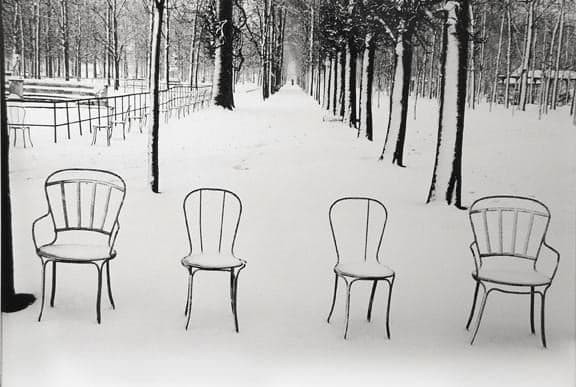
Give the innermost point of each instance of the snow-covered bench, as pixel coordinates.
(53, 90)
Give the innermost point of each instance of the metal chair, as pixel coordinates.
(212, 235)
(510, 252)
(83, 206)
(360, 262)
(16, 122)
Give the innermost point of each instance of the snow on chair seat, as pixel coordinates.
(510, 252)
(357, 225)
(76, 252)
(212, 217)
(212, 261)
(83, 210)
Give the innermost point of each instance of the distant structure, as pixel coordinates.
(536, 79)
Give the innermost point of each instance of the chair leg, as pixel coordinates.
(532, 310)
(333, 298)
(234, 296)
(348, 288)
(391, 285)
(542, 318)
(44, 263)
(99, 293)
(189, 289)
(29, 138)
(53, 294)
(481, 312)
(109, 286)
(372, 293)
(190, 279)
(473, 305)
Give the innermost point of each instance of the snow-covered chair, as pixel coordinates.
(510, 252)
(212, 216)
(83, 210)
(16, 122)
(362, 222)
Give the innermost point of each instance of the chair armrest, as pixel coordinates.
(35, 224)
(476, 255)
(548, 260)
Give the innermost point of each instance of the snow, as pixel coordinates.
(288, 165)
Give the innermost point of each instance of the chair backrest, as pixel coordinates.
(509, 226)
(85, 199)
(16, 115)
(212, 217)
(357, 225)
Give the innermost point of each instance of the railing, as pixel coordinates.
(84, 113)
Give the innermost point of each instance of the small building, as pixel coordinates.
(536, 78)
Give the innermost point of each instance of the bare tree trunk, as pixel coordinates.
(446, 182)
(11, 301)
(480, 89)
(396, 132)
(472, 50)
(158, 10)
(65, 40)
(431, 70)
(223, 94)
(367, 82)
(549, 66)
(311, 48)
(343, 84)
(558, 53)
(497, 67)
(22, 45)
(508, 54)
(167, 46)
(527, 55)
(37, 23)
(337, 85)
(350, 112)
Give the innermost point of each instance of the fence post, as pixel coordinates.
(79, 118)
(54, 116)
(67, 120)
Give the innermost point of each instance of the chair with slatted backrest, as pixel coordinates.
(510, 252)
(17, 122)
(83, 207)
(212, 217)
(357, 225)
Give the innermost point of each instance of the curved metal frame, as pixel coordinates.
(192, 270)
(492, 285)
(98, 263)
(349, 279)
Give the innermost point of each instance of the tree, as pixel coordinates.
(223, 62)
(401, 23)
(11, 301)
(158, 10)
(446, 182)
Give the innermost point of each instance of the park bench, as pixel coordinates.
(35, 89)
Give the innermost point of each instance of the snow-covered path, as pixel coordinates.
(287, 165)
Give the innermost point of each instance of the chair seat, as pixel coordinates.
(76, 252)
(212, 261)
(519, 277)
(364, 270)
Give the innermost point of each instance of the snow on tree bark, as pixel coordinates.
(367, 82)
(446, 182)
(396, 132)
(223, 61)
(154, 72)
(350, 84)
(527, 56)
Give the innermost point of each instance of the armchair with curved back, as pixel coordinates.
(510, 252)
(83, 209)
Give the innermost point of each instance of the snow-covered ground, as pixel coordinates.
(288, 161)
